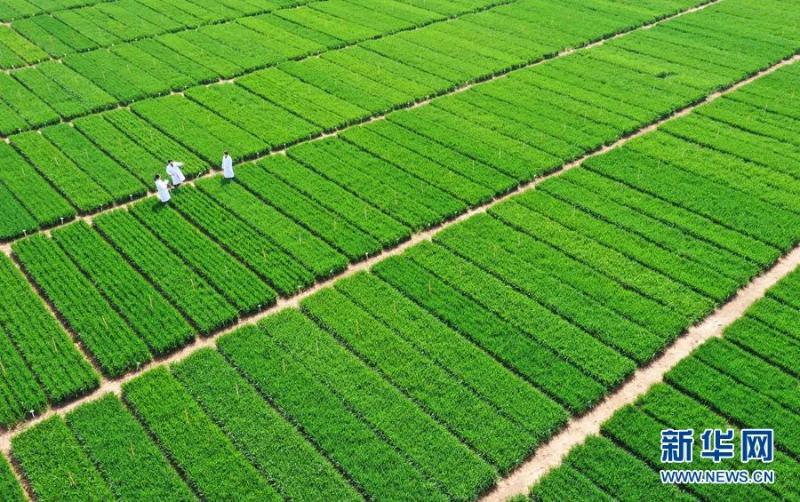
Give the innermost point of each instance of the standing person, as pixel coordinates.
(227, 166)
(174, 172)
(163, 189)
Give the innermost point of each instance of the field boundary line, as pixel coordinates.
(115, 385)
(214, 170)
(552, 453)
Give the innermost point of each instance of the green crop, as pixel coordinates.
(106, 335)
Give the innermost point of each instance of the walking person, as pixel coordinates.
(163, 189)
(227, 166)
(175, 173)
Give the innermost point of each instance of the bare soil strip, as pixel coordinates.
(550, 455)
(760, 284)
(215, 171)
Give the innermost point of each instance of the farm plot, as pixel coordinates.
(300, 104)
(723, 384)
(442, 369)
(102, 331)
(514, 302)
(311, 214)
(44, 365)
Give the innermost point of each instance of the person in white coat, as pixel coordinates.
(175, 173)
(227, 166)
(163, 189)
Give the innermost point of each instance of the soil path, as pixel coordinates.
(550, 455)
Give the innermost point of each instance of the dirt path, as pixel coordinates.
(214, 171)
(550, 455)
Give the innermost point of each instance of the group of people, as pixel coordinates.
(177, 177)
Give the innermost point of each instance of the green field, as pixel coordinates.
(745, 380)
(355, 125)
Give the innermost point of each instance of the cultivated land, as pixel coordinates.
(744, 380)
(266, 338)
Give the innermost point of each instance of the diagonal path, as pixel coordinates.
(214, 171)
(115, 385)
(551, 454)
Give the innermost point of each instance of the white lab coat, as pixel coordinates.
(227, 167)
(174, 172)
(163, 191)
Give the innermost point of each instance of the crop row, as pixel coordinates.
(241, 287)
(16, 9)
(471, 293)
(182, 286)
(292, 245)
(99, 25)
(142, 306)
(298, 367)
(723, 384)
(346, 58)
(238, 237)
(107, 336)
(151, 66)
(44, 364)
(207, 124)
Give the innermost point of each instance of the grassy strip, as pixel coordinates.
(616, 471)
(301, 244)
(376, 467)
(411, 162)
(676, 216)
(51, 355)
(179, 283)
(478, 240)
(142, 306)
(55, 464)
(506, 391)
(532, 360)
(240, 286)
(271, 123)
(106, 335)
(192, 124)
(703, 279)
(338, 232)
(20, 393)
(609, 262)
(385, 407)
(405, 197)
(128, 152)
(122, 451)
(676, 410)
(668, 237)
(114, 178)
(69, 179)
(737, 402)
(210, 462)
(568, 341)
(372, 220)
(236, 235)
(488, 432)
(273, 445)
(762, 221)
